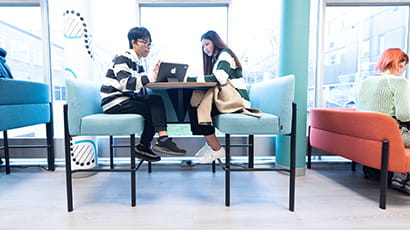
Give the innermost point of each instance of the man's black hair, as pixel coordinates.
(138, 33)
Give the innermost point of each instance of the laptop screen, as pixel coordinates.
(171, 72)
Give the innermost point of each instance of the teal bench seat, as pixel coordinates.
(22, 104)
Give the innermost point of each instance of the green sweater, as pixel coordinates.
(225, 69)
(384, 93)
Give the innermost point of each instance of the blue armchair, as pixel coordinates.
(25, 103)
(275, 99)
(83, 116)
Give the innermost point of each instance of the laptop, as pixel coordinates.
(171, 72)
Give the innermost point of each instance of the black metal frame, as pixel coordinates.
(133, 168)
(383, 172)
(49, 145)
(113, 145)
(292, 169)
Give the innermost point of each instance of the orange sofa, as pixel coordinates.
(367, 138)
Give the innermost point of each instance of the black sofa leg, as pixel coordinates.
(251, 152)
(6, 151)
(50, 146)
(68, 173)
(111, 152)
(69, 182)
(384, 173)
(227, 172)
(292, 176)
(309, 151)
(133, 183)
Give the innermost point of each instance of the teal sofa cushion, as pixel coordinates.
(23, 103)
(119, 124)
(274, 98)
(86, 116)
(21, 115)
(249, 125)
(23, 92)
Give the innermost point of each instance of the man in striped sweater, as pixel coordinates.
(123, 91)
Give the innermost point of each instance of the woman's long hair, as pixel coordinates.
(219, 44)
(391, 59)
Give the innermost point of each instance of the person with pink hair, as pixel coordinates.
(388, 92)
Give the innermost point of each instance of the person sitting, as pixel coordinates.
(221, 66)
(4, 68)
(123, 91)
(388, 92)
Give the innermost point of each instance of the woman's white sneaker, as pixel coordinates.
(203, 150)
(212, 155)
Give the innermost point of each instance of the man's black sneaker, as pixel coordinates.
(168, 147)
(145, 153)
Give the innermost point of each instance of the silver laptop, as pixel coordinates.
(171, 72)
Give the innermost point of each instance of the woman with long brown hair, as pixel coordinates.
(220, 65)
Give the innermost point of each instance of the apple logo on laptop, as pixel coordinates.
(173, 71)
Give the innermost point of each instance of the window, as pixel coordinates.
(176, 38)
(254, 39)
(22, 39)
(353, 39)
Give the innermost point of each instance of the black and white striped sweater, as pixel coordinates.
(124, 79)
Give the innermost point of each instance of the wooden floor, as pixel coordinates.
(329, 197)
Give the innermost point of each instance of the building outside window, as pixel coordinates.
(353, 39)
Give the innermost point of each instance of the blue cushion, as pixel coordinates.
(21, 115)
(236, 123)
(83, 99)
(86, 117)
(23, 92)
(111, 124)
(275, 97)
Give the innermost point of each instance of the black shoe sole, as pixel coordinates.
(167, 151)
(142, 156)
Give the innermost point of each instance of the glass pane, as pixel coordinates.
(177, 39)
(255, 31)
(354, 40)
(21, 38)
